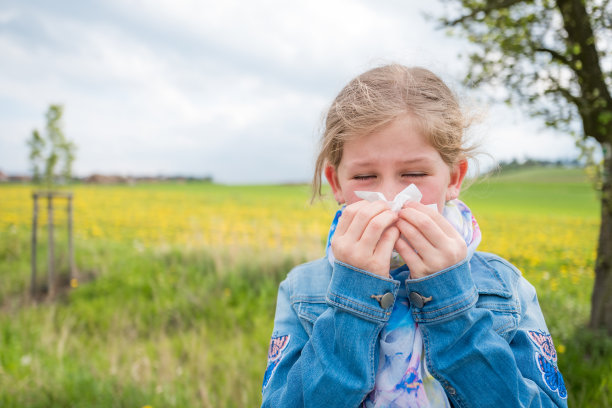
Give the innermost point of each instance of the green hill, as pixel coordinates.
(542, 174)
(535, 190)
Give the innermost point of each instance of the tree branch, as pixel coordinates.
(571, 98)
(556, 55)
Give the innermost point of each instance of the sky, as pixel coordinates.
(235, 90)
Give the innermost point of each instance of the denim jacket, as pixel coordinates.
(484, 336)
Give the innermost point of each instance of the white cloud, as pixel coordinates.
(233, 88)
(6, 16)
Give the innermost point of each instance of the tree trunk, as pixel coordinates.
(601, 301)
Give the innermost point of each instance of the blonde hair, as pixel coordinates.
(379, 96)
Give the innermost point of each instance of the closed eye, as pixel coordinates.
(364, 177)
(414, 174)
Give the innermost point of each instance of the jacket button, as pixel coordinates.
(451, 390)
(385, 301)
(418, 300)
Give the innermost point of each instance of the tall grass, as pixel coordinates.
(159, 328)
(158, 324)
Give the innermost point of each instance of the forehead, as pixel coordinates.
(402, 140)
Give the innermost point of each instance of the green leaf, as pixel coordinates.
(604, 117)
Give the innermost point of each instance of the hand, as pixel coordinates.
(365, 236)
(428, 242)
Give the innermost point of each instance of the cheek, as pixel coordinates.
(350, 196)
(347, 190)
(433, 194)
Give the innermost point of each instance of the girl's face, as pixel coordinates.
(391, 159)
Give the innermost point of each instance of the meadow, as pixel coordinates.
(176, 289)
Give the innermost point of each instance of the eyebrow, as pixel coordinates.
(416, 160)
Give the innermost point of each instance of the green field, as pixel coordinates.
(169, 324)
(537, 191)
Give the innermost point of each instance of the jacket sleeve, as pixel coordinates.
(477, 366)
(336, 364)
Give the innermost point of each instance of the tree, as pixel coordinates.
(551, 56)
(49, 152)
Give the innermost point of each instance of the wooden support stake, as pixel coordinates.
(33, 253)
(51, 258)
(70, 245)
(51, 253)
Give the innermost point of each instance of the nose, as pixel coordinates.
(390, 189)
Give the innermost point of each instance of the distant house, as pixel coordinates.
(3, 177)
(19, 179)
(103, 179)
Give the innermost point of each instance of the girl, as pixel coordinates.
(403, 311)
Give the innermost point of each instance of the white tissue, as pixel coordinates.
(410, 193)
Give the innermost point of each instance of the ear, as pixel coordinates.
(331, 174)
(458, 172)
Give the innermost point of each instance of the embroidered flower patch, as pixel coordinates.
(546, 357)
(545, 344)
(275, 353)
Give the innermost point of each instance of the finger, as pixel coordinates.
(364, 214)
(415, 238)
(375, 229)
(436, 216)
(347, 217)
(425, 224)
(385, 245)
(411, 258)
